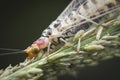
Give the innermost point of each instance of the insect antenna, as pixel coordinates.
(8, 49)
(9, 53)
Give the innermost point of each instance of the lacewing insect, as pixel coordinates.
(78, 15)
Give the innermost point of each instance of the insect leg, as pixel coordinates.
(63, 40)
(66, 43)
(48, 49)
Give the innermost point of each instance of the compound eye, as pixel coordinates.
(35, 50)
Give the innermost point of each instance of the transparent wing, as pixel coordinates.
(74, 4)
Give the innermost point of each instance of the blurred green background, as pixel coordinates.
(22, 22)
